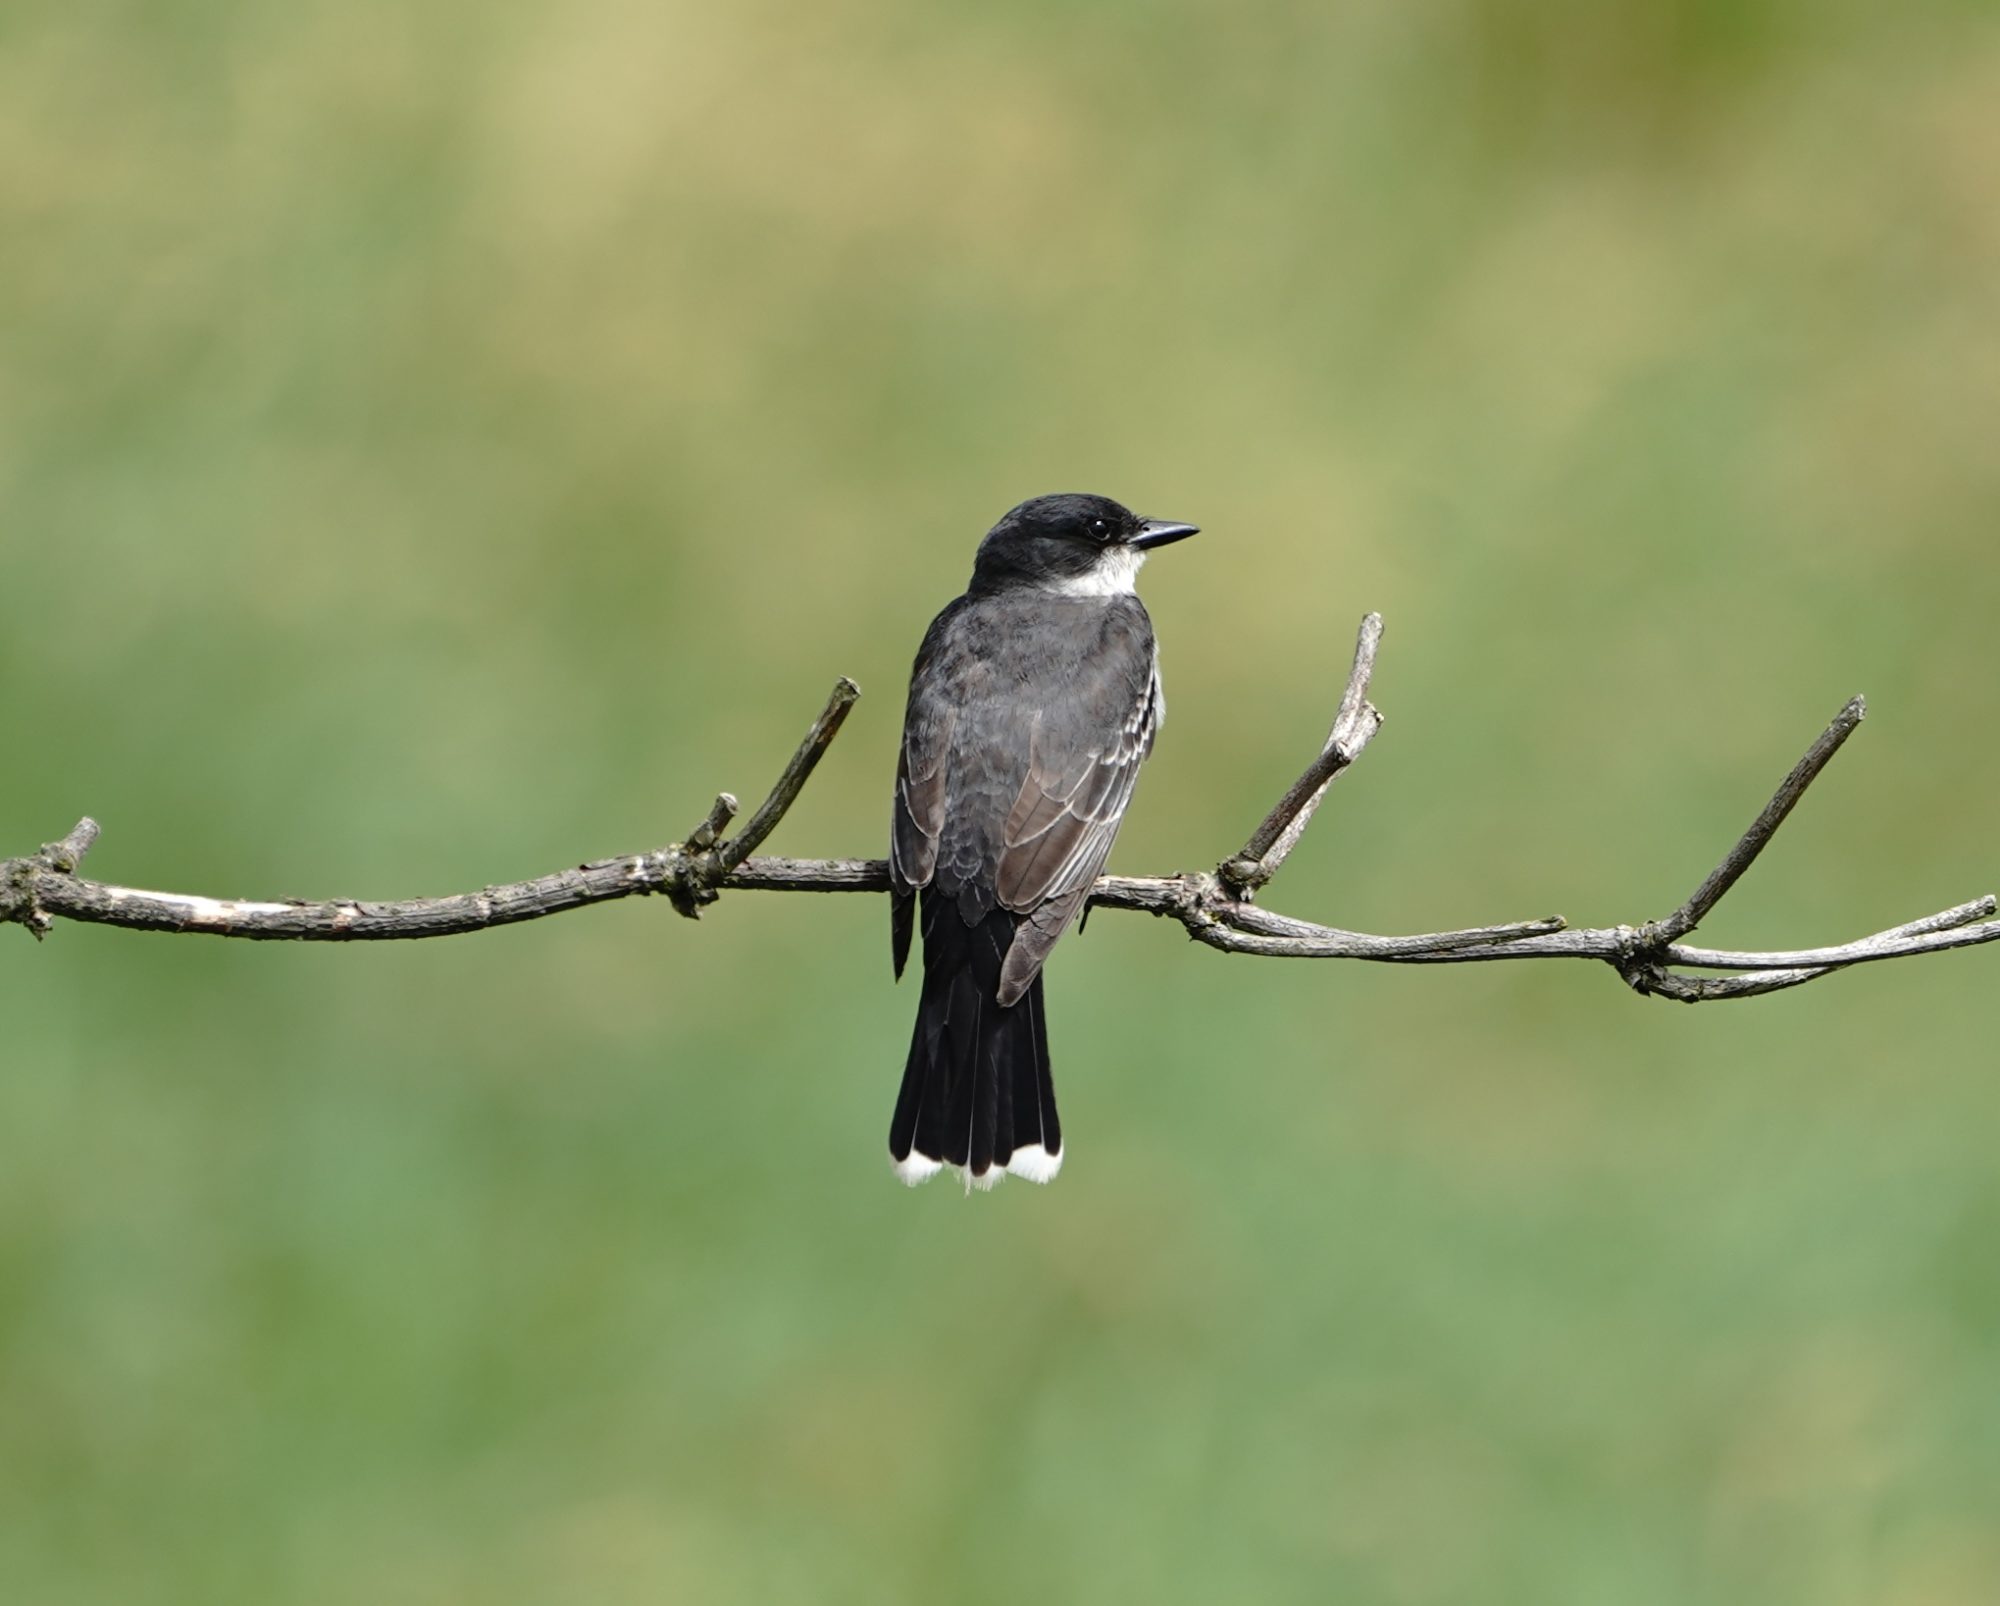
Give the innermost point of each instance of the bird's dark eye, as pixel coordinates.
(1100, 530)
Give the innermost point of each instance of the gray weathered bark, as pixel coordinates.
(1217, 907)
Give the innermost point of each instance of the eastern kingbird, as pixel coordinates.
(1033, 702)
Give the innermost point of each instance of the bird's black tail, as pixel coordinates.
(976, 1092)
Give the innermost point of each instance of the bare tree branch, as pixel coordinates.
(1216, 907)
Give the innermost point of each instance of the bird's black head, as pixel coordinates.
(1073, 544)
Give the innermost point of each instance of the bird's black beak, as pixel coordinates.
(1159, 532)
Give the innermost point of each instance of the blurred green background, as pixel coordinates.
(439, 442)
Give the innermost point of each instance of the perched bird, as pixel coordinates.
(1033, 702)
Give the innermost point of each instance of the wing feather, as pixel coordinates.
(920, 801)
(917, 821)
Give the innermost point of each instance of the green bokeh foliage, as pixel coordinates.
(439, 442)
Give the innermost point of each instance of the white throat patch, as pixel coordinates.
(1113, 575)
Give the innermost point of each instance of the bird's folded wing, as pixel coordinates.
(1061, 828)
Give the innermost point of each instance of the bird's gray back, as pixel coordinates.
(1011, 687)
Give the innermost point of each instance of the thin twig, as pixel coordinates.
(67, 854)
(1354, 727)
(793, 780)
(1708, 989)
(1706, 896)
(709, 832)
(1884, 945)
(1263, 923)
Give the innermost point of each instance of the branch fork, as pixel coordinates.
(20, 879)
(1218, 908)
